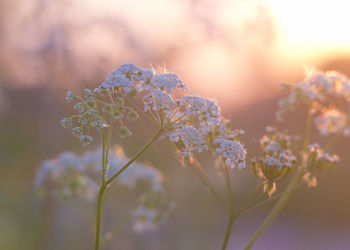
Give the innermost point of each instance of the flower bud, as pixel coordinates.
(133, 115)
(79, 107)
(77, 132)
(124, 131)
(66, 122)
(85, 140)
(70, 96)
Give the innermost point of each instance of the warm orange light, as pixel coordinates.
(313, 27)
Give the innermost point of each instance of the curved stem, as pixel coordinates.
(103, 171)
(105, 183)
(229, 189)
(202, 175)
(262, 203)
(137, 155)
(228, 232)
(289, 189)
(232, 209)
(99, 215)
(109, 138)
(276, 209)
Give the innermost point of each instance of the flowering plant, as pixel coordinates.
(194, 125)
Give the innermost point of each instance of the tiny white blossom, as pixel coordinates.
(115, 80)
(190, 138)
(144, 219)
(233, 152)
(331, 121)
(168, 82)
(321, 156)
(159, 101)
(269, 145)
(206, 109)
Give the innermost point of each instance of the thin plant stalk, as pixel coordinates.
(232, 209)
(103, 186)
(262, 203)
(228, 231)
(208, 184)
(137, 155)
(287, 193)
(106, 183)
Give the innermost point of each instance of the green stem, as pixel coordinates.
(103, 186)
(229, 189)
(137, 155)
(288, 192)
(276, 209)
(99, 215)
(232, 209)
(252, 206)
(103, 171)
(209, 185)
(109, 138)
(105, 183)
(228, 232)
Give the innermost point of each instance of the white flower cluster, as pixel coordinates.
(232, 152)
(73, 176)
(156, 90)
(277, 158)
(160, 101)
(65, 176)
(317, 159)
(205, 109)
(188, 140)
(274, 154)
(191, 122)
(166, 82)
(143, 219)
(126, 77)
(328, 93)
(332, 121)
(153, 211)
(320, 158)
(203, 128)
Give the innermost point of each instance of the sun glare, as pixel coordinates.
(312, 28)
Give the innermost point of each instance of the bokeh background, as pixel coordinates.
(235, 51)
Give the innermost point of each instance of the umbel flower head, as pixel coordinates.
(72, 176)
(193, 123)
(232, 152)
(317, 160)
(277, 158)
(328, 94)
(124, 90)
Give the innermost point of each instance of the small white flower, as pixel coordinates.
(272, 162)
(190, 138)
(206, 109)
(115, 80)
(144, 219)
(269, 146)
(70, 96)
(331, 121)
(168, 82)
(232, 152)
(287, 158)
(127, 68)
(85, 140)
(159, 101)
